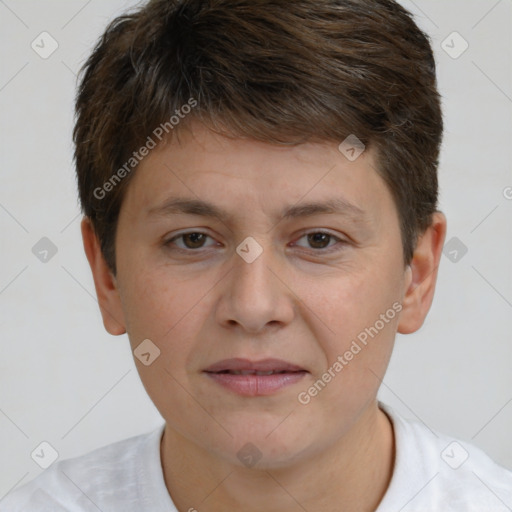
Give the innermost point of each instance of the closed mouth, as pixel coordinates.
(255, 378)
(255, 372)
(265, 367)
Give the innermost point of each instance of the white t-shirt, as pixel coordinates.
(432, 473)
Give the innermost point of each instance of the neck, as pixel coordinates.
(352, 475)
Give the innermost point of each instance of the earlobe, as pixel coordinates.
(104, 282)
(421, 276)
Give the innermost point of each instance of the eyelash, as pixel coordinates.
(339, 241)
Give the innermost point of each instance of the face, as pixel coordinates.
(258, 290)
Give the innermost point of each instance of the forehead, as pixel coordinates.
(207, 174)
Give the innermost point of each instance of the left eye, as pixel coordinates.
(320, 239)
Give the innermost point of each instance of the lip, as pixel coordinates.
(264, 365)
(255, 384)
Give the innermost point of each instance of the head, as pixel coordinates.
(252, 107)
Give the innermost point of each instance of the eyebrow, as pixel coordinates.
(191, 206)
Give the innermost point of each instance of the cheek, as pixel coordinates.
(344, 304)
(354, 317)
(164, 309)
(158, 305)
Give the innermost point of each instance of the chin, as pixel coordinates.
(266, 445)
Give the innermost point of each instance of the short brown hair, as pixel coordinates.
(279, 71)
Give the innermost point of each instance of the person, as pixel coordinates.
(259, 187)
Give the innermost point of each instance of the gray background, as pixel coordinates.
(64, 380)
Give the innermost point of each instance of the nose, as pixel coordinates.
(255, 295)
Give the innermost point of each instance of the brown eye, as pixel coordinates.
(194, 240)
(319, 240)
(188, 241)
(322, 242)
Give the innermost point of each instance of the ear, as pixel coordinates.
(422, 276)
(104, 282)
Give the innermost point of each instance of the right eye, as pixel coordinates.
(192, 240)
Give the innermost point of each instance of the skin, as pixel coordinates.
(297, 302)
